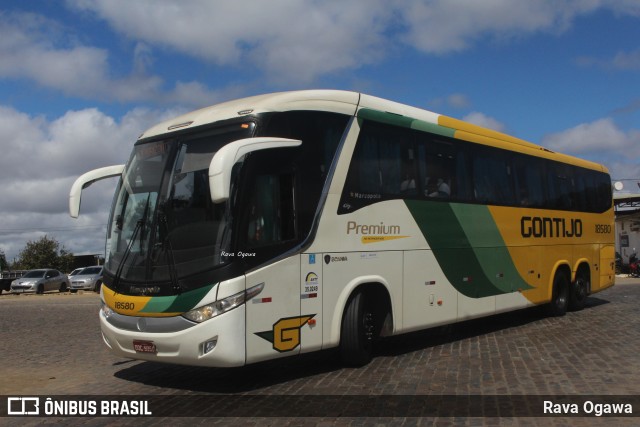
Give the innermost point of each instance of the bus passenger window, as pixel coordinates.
(529, 181)
(438, 160)
(492, 177)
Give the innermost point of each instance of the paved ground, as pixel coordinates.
(51, 346)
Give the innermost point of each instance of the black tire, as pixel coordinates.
(63, 287)
(560, 299)
(40, 289)
(579, 291)
(97, 287)
(356, 333)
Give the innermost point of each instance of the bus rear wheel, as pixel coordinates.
(560, 299)
(357, 332)
(579, 290)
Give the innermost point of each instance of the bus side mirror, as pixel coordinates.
(230, 154)
(86, 180)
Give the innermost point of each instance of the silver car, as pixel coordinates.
(40, 281)
(74, 272)
(90, 278)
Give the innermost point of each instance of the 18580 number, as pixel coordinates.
(603, 228)
(125, 305)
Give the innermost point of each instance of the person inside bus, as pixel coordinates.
(408, 186)
(256, 225)
(443, 189)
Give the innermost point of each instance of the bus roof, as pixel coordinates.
(322, 100)
(350, 103)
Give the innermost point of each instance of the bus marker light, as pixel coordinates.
(432, 282)
(312, 322)
(439, 302)
(180, 125)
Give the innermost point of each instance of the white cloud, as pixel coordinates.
(296, 41)
(441, 26)
(481, 119)
(458, 100)
(601, 141)
(622, 60)
(34, 47)
(627, 60)
(303, 40)
(42, 158)
(283, 41)
(600, 135)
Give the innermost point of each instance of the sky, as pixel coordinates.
(80, 80)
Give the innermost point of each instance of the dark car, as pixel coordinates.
(40, 281)
(6, 277)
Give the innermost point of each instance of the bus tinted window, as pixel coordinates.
(441, 167)
(560, 186)
(391, 162)
(492, 178)
(383, 165)
(530, 191)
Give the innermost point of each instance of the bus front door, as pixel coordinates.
(273, 319)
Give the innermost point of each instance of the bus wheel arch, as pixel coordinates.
(367, 315)
(580, 287)
(560, 291)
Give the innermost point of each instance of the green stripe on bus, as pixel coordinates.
(468, 247)
(176, 304)
(403, 121)
(489, 247)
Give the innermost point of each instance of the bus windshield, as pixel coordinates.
(163, 224)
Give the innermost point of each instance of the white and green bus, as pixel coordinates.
(293, 222)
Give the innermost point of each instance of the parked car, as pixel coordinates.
(90, 278)
(6, 277)
(40, 281)
(74, 272)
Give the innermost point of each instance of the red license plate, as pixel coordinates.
(144, 346)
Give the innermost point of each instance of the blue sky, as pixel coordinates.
(80, 80)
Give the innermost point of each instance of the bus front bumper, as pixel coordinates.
(218, 342)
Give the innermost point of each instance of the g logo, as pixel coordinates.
(285, 335)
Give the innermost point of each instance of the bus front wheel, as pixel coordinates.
(356, 334)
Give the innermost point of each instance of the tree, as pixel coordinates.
(3, 261)
(45, 253)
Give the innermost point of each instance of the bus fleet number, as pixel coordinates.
(603, 228)
(125, 305)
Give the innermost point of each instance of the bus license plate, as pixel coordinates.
(144, 347)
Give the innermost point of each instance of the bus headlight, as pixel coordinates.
(106, 311)
(216, 308)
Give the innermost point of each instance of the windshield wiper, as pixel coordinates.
(168, 249)
(116, 280)
(144, 216)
